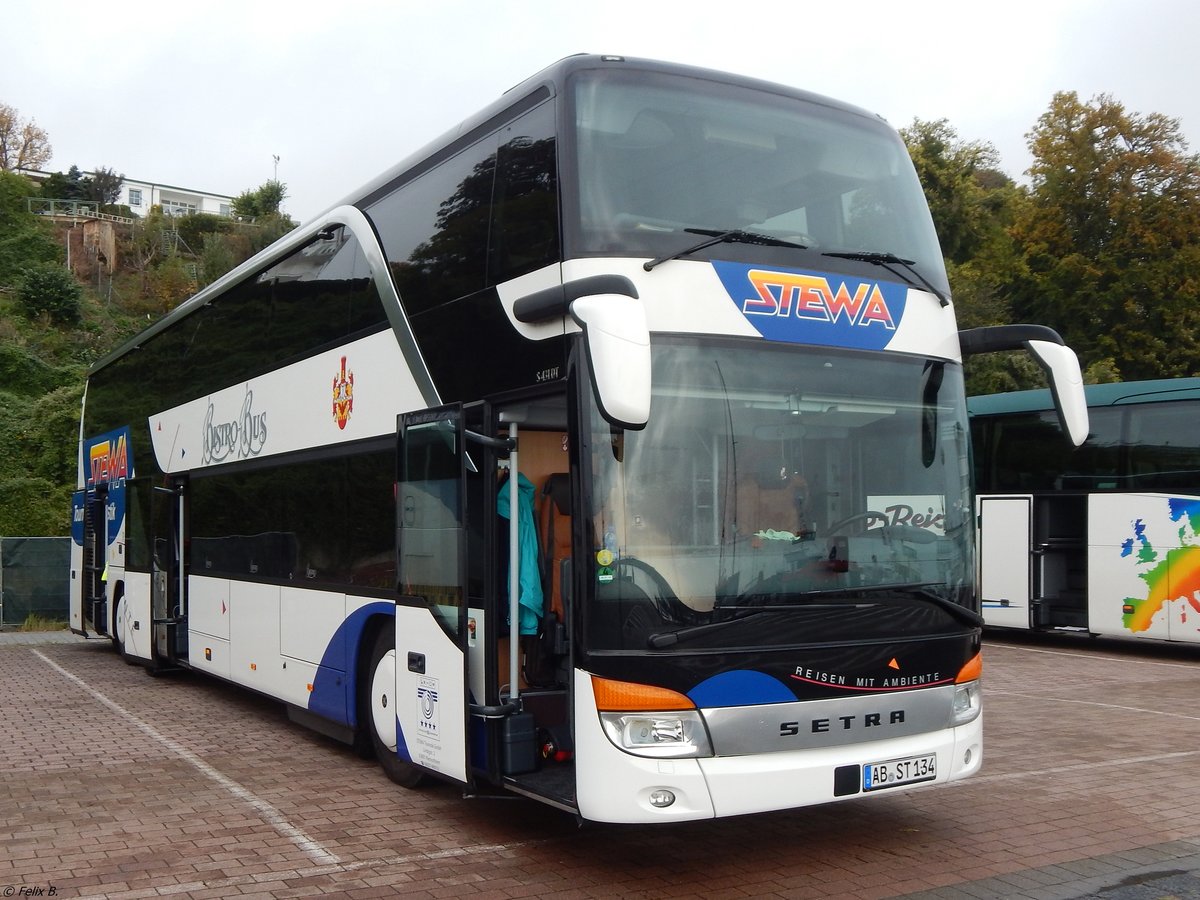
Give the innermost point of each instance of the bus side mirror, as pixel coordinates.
(618, 348)
(1059, 362)
(1066, 385)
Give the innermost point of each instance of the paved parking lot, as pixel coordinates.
(115, 784)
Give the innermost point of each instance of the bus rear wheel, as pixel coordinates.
(118, 638)
(380, 711)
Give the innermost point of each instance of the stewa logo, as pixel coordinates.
(808, 307)
(238, 438)
(812, 297)
(108, 460)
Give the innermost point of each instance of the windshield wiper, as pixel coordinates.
(664, 639)
(921, 590)
(888, 260)
(734, 235)
(669, 638)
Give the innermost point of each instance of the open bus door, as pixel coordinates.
(168, 579)
(1005, 535)
(95, 561)
(431, 611)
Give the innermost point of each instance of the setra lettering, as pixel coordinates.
(848, 723)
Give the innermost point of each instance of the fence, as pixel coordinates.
(34, 578)
(73, 209)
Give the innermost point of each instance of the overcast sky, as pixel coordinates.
(203, 95)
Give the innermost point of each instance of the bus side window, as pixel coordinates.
(524, 232)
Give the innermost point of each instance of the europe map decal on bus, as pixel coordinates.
(1171, 575)
(809, 307)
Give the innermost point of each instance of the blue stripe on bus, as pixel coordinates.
(740, 688)
(335, 684)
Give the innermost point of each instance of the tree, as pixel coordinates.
(23, 145)
(50, 290)
(973, 203)
(104, 186)
(265, 200)
(143, 246)
(262, 207)
(171, 282)
(1110, 242)
(65, 187)
(39, 424)
(962, 185)
(218, 256)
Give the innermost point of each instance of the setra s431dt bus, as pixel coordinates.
(611, 450)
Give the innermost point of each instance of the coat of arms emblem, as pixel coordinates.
(343, 396)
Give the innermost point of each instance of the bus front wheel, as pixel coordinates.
(381, 711)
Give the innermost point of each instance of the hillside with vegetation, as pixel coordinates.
(55, 321)
(1101, 243)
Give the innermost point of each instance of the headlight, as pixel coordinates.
(666, 735)
(967, 697)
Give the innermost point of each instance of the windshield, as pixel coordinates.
(780, 496)
(656, 155)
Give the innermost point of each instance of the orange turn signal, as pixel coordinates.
(625, 696)
(972, 670)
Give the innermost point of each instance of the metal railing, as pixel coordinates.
(73, 209)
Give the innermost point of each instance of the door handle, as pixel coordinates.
(416, 662)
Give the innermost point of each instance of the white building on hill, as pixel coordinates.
(139, 196)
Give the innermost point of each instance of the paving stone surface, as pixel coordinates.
(114, 784)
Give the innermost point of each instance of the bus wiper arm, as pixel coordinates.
(665, 639)
(669, 638)
(922, 590)
(734, 235)
(888, 260)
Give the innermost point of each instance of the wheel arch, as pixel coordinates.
(360, 663)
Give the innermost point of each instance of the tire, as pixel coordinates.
(379, 707)
(114, 631)
(118, 641)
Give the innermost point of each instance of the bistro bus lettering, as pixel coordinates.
(238, 438)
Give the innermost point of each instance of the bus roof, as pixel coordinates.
(1113, 394)
(549, 82)
(544, 84)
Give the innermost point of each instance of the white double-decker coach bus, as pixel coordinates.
(691, 334)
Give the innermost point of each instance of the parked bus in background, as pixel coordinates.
(691, 334)
(1103, 538)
